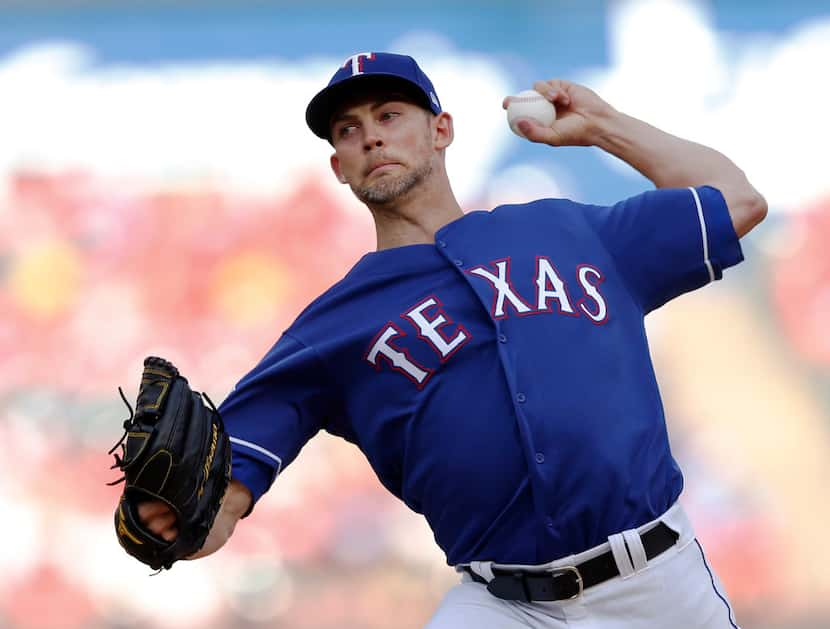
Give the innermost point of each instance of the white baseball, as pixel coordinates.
(530, 104)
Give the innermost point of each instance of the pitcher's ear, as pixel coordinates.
(335, 167)
(444, 132)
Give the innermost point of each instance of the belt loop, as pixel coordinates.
(521, 579)
(621, 555)
(635, 549)
(484, 569)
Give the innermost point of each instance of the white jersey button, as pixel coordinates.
(521, 397)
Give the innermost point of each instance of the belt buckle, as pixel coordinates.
(555, 572)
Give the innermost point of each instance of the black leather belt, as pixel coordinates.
(568, 582)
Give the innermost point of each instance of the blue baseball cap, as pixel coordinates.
(364, 69)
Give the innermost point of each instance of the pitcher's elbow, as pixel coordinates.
(759, 208)
(748, 212)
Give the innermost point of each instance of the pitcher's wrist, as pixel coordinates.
(612, 131)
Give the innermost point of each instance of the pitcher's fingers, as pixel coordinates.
(539, 133)
(506, 102)
(169, 535)
(554, 90)
(160, 523)
(150, 509)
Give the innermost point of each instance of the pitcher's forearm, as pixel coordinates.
(234, 506)
(672, 162)
(237, 499)
(667, 160)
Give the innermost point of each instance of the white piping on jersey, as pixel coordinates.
(260, 449)
(703, 232)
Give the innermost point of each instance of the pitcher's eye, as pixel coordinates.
(346, 130)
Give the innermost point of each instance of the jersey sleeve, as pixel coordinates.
(273, 411)
(669, 241)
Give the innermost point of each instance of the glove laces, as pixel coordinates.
(128, 423)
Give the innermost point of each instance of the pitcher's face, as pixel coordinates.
(383, 147)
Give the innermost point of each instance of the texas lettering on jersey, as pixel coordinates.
(434, 325)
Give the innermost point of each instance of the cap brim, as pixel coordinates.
(323, 106)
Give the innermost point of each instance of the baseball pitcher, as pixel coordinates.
(491, 365)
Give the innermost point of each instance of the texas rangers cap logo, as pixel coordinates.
(357, 62)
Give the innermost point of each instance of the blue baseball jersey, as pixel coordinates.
(499, 380)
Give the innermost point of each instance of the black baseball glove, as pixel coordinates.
(176, 451)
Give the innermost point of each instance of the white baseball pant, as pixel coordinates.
(677, 590)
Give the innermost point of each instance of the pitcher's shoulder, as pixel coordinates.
(541, 213)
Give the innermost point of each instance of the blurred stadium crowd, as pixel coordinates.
(96, 274)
